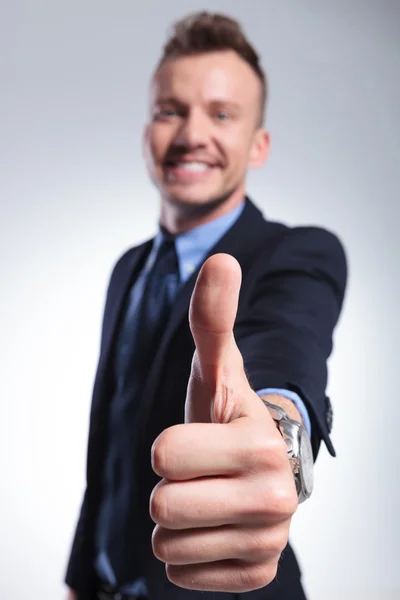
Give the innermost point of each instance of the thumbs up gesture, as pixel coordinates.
(224, 504)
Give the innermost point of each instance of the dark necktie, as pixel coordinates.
(140, 335)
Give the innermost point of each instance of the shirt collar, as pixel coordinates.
(194, 245)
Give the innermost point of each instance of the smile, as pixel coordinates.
(196, 167)
(188, 171)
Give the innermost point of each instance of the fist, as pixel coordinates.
(227, 495)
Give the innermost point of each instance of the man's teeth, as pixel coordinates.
(193, 166)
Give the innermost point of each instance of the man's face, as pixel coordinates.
(204, 130)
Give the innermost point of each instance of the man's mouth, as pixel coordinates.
(192, 167)
(188, 171)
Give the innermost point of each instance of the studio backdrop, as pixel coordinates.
(74, 194)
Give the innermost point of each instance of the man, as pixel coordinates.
(192, 479)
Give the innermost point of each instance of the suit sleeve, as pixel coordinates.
(285, 332)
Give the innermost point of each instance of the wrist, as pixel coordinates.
(287, 405)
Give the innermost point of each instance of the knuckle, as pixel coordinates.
(281, 462)
(256, 455)
(284, 501)
(258, 548)
(279, 543)
(257, 576)
(275, 500)
(260, 507)
(267, 454)
(267, 544)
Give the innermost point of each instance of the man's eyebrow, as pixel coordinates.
(168, 100)
(215, 103)
(226, 102)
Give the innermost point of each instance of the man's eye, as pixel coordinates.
(222, 116)
(167, 112)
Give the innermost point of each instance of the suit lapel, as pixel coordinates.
(120, 285)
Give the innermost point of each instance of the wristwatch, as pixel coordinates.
(299, 450)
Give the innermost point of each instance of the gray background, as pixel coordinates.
(74, 194)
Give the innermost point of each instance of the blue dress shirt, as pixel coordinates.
(191, 248)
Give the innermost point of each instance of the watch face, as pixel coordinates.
(307, 462)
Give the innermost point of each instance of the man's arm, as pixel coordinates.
(285, 329)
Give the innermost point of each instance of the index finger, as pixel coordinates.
(192, 450)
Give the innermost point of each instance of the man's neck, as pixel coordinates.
(181, 219)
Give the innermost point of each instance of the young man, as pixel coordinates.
(192, 479)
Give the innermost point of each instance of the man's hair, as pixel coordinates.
(203, 32)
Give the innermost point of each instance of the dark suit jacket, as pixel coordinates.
(292, 293)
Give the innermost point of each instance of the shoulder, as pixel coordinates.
(313, 241)
(280, 241)
(316, 237)
(310, 251)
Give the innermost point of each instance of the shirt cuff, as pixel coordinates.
(295, 398)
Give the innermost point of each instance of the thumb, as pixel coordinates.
(217, 378)
(213, 311)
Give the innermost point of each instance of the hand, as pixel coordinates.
(224, 505)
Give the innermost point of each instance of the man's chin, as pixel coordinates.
(193, 202)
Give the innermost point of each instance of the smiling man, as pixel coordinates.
(209, 403)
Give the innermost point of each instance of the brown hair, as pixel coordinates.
(203, 32)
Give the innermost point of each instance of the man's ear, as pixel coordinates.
(260, 148)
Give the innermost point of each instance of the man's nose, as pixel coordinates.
(193, 132)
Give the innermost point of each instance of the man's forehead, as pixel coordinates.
(212, 76)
